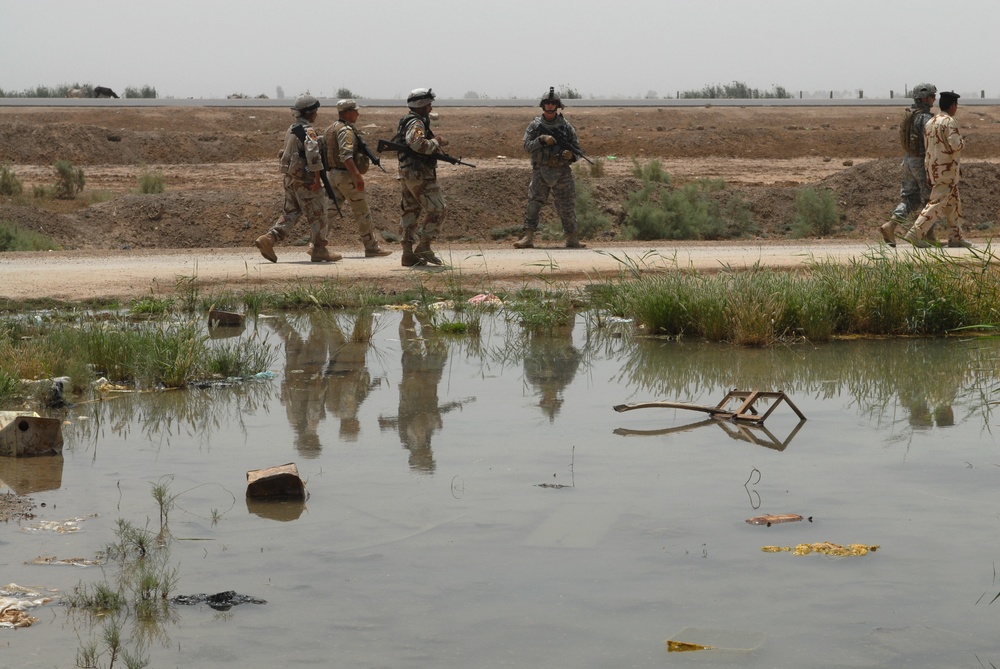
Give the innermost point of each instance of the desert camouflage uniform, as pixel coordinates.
(915, 191)
(551, 172)
(418, 176)
(301, 162)
(342, 145)
(944, 150)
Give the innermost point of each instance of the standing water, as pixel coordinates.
(474, 501)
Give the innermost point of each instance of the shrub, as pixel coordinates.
(13, 238)
(9, 183)
(817, 213)
(345, 92)
(150, 183)
(689, 212)
(69, 180)
(652, 171)
(144, 92)
(590, 220)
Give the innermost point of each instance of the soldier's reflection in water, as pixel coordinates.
(550, 363)
(324, 370)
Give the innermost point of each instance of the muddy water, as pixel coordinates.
(475, 501)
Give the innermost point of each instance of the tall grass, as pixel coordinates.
(880, 294)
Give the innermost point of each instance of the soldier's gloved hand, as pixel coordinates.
(548, 140)
(567, 155)
(442, 142)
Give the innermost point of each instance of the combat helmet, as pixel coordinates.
(551, 96)
(921, 91)
(305, 104)
(420, 98)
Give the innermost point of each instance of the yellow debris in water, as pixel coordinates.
(824, 547)
(682, 647)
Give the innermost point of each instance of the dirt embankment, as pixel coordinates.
(222, 187)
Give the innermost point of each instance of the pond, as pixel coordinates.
(475, 501)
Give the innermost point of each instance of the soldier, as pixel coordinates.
(944, 152)
(915, 190)
(553, 145)
(348, 163)
(418, 177)
(301, 162)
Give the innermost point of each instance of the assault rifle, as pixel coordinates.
(563, 142)
(386, 145)
(376, 161)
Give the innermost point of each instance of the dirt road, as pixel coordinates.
(78, 276)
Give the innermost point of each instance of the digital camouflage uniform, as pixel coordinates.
(915, 190)
(343, 144)
(942, 163)
(301, 162)
(421, 192)
(551, 172)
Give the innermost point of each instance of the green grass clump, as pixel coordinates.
(929, 293)
(151, 183)
(14, 238)
(651, 172)
(10, 185)
(590, 220)
(688, 212)
(69, 180)
(816, 213)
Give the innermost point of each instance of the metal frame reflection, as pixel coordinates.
(747, 432)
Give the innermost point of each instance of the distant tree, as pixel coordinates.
(345, 92)
(279, 93)
(144, 92)
(570, 93)
(735, 91)
(471, 95)
(651, 94)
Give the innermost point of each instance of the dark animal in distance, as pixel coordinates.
(103, 92)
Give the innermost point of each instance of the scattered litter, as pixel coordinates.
(15, 600)
(698, 638)
(826, 548)
(76, 562)
(443, 304)
(617, 320)
(778, 518)
(220, 601)
(61, 527)
(486, 299)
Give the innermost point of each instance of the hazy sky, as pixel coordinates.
(514, 48)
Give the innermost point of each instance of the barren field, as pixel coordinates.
(223, 188)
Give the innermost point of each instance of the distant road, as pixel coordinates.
(525, 102)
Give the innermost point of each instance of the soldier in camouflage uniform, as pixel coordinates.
(301, 161)
(942, 162)
(550, 170)
(915, 190)
(418, 178)
(348, 164)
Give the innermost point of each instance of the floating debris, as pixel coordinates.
(15, 600)
(220, 601)
(61, 527)
(682, 647)
(76, 562)
(774, 519)
(826, 548)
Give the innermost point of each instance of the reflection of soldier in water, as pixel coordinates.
(423, 361)
(323, 370)
(928, 388)
(550, 364)
(348, 377)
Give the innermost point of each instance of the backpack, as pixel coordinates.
(908, 138)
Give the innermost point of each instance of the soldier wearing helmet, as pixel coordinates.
(915, 190)
(553, 144)
(301, 162)
(422, 203)
(348, 164)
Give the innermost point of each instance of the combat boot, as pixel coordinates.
(323, 254)
(265, 244)
(372, 248)
(573, 241)
(888, 230)
(526, 242)
(959, 244)
(916, 241)
(409, 259)
(424, 252)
